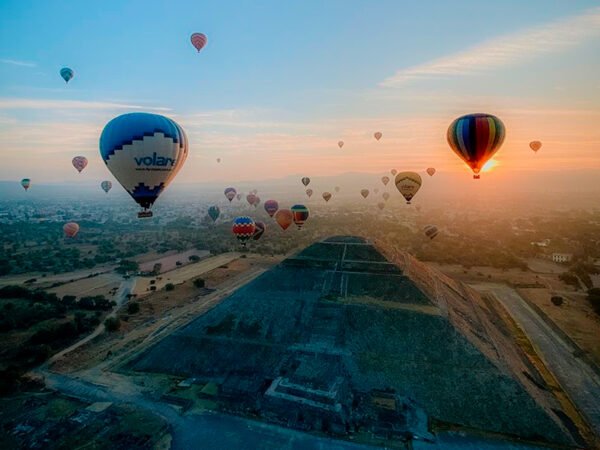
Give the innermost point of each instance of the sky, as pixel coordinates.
(280, 83)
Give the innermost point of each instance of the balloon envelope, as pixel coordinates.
(71, 229)
(475, 138)
(198, 40)
(259, 231)
(300, 214)
(66, 74)
(337, 189)
(381, 205)
(251, 199)
(80, 163)
(305, 181)
(430, 171)
(408, 183)
(326, 196)
(535, 145)
(243, 228)
(386, 196)
(230, 193)
(271, 207)
(144, 152)
(214, 212)
(25, 182)
(385, 180)
(309, 192)
(238, 196)
(106, 186)
(393, 172)
(377, 135)
(364, 193)
(284, 218)
(340, 144)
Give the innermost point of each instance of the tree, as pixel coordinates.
(594, 299)
(127, 266)
(194, 258)
(133, 307)
(199, 283)
(169, 286)
(112, 324)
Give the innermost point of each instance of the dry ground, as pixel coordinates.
(100, 285)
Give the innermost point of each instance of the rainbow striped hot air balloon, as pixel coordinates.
(299, 215)
(475, 138)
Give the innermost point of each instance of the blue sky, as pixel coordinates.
(284, 81)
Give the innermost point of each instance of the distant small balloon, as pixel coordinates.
(381, 205)
(230, 193)
(198, 40)
(25, 182)
(394, 172)
(214, 212)
(385, 180)
(66, 74)
(377, 135)
(251, 198)
(71, 229)
(431, 171)
(284, 218)
(386, 196)
(309, 192)
(340, 144)
(106, 186)
(326, 196)
(535, 145)
(80, 163)
(337, 189)
(239, 196)
(305, 181)
(364, 193)
(218, 160)
(271, 207)
(259, 231)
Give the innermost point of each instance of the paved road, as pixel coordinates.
(578, 380)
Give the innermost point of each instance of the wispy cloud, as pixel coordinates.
(506, 50)
(15, 62)
(26, 103)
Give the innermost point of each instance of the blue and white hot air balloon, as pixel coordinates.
(144, 152)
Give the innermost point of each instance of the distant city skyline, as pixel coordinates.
(279, 84)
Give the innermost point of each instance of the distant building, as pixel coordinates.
(543, 243)
(562, 258)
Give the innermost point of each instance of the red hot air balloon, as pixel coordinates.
(377, 135)
(259, 231)
(475, 138)
(284, 218)
(198, 40)
(300, 215)
(243, 228)
(535, 145)
(271, 207)
(431, 171)
(80, 162)
(71, 229)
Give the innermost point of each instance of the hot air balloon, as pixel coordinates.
(431, 231)
(385, 180)
(535, 145)
(376, 191)
(214, 212)
(251, 198)
(418, 208)
(299, 215)
(340, 144)
(393, 172)
(144, 152)
(230, 193)
(475, 138)
(256, 201)
(386, 196)
(284, 218)
(25, 182)
(198, 41)
(309, 192)
(218, 160)
(79, 162)
(71, 229)
(337, 189)
(271, 207)
(106, 186)
(326, 196)
(243, 228)
(66, 74)
(408, 183)
(377, 135)
(364, 193)
(305, 181)
(381, 205)
(239, 196)
(259, 231)
(430, 171)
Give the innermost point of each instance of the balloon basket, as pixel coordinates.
(476, 177)
(144, 214)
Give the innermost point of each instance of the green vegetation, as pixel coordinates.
(126, 266)
(112, 324)
(199, 283)
(594, 299)
(133, 308)
(169, 287)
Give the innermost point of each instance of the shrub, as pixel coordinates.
(169, 286)
(557, 300)
(594, 299)
(133, 307)
(112, 324)
(199, 283)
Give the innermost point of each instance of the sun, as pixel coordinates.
(488, 166)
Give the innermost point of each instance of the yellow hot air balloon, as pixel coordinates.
(408, 183)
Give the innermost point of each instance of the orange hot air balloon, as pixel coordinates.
(381, 205)
(431, 171)
(326, 196)
(393, 172)
(284, 218)
(364, 193)
(535, 145)
(386, 196)
(340, 144)
(71, 229)
(377, 135)
(337, 189)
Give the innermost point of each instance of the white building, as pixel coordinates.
(562, 257)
